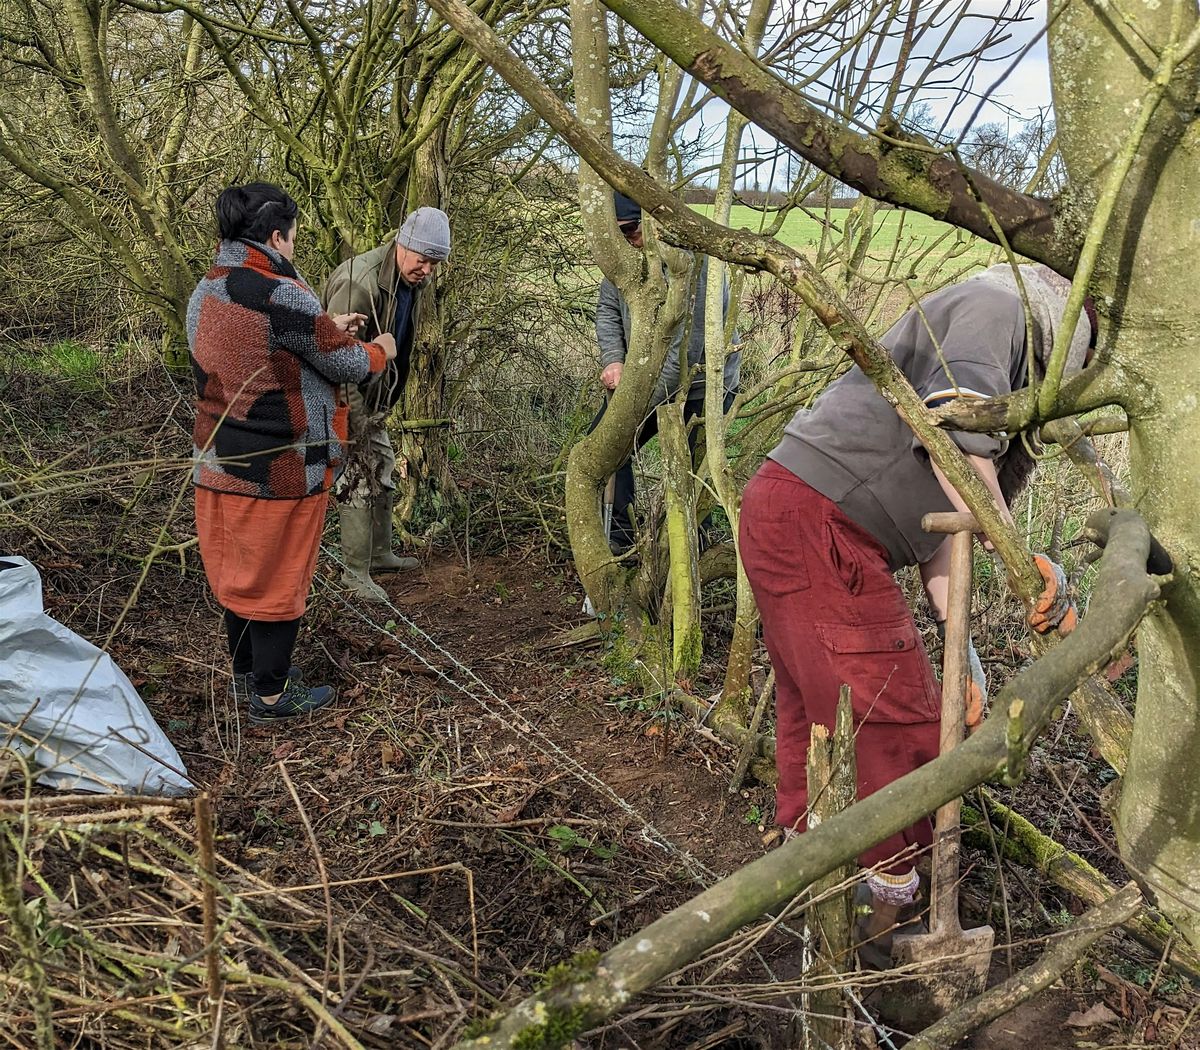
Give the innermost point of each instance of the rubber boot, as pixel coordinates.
(382, 557)
(356, 552)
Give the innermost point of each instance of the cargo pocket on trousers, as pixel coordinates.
(773, 556)
(885, 666)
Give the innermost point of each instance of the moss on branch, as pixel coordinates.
(1024, 844)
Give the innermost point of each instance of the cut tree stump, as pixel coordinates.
(832, 787)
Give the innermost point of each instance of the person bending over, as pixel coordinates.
(837, 508)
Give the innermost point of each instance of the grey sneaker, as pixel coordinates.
(241, 687)
(296, 699)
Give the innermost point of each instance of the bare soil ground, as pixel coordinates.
(481, 803)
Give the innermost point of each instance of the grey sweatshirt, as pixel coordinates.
(967, 340)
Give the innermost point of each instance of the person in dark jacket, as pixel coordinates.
(269, 436)
(381, 290)
(837, 508)
(682, 370)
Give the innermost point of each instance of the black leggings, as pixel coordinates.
(263, 647)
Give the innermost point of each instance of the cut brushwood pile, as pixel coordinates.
(406, 868)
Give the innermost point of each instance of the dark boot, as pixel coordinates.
(383, 558)
(356, 552)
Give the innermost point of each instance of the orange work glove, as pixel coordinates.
(1053, 609)
(977, 694)
(975, 702)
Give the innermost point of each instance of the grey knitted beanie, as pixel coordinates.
(426, 230)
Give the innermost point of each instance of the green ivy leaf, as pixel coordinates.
(566, 837)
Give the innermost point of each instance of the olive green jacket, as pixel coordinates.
(366, 284)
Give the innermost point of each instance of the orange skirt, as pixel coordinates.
(260, 554)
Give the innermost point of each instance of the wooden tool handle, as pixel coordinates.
(955, 672)
(950, 521)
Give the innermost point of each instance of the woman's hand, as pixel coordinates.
(388, 342)
(349, 323)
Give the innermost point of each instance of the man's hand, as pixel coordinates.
(388, 342)
(611, 375)
(349, 323)
(1053, 608)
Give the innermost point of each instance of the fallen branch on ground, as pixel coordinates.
(1026, 845)
(554, 1016)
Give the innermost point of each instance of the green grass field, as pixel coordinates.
(919, 235)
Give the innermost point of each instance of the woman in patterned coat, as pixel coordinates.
(270, 434)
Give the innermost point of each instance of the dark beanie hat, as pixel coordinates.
(628, 210)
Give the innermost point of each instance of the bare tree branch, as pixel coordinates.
(1095, 387)
(894, 167)
(683, 226)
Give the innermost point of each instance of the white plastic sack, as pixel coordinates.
(69, 708)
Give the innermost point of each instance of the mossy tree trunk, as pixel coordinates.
(1144, 281)
(654, 285)
(682, 541)
(1127, 227)
(119, 171)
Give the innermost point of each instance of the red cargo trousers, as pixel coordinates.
(832, 613)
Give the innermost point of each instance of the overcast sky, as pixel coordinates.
(1028, 86)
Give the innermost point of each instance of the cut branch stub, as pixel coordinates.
(1097, 386)
(832, 788)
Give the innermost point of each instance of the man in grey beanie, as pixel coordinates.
(379, 289)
